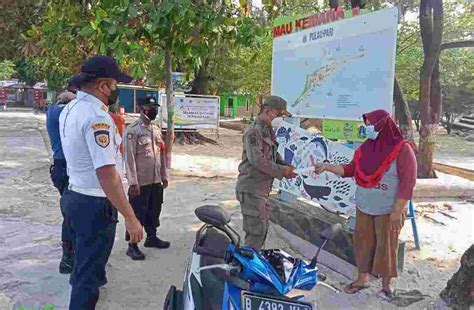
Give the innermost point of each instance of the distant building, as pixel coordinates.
(11, 92)
(240, 106)
(42, 96)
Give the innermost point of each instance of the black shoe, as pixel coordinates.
(66, 265)
(103, 282)
(155, 242)
(67, 260)
(135, 253)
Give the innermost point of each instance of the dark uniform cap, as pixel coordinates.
(74, 82)
(100, 66)
(147, 100)
(276, 102)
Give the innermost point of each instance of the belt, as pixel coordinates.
(88, 191)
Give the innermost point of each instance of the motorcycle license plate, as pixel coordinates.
(258, 302)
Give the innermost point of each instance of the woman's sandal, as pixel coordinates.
(352, 288)
(386, 294)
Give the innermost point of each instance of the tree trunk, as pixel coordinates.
(170, 106)
(200, 80)
(427, 130)
(435, 95)
(459, 292)
(449, 121)
(431, 26)
(402, 113)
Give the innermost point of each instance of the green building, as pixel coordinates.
(237, 106)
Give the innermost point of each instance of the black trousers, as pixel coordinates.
(147, 207)
(58, 173)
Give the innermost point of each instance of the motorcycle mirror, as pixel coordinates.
(328, 234)
(331, 232)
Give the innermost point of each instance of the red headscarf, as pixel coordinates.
(373, 158)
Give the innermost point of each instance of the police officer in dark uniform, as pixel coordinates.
(58, 171)
(145, 163)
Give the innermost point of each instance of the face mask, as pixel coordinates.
(151, 114)
(113, 97)
(276, 122)
(370, 132)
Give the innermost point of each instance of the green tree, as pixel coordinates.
(457, 80)
(449, 71)
(150, 38)
(186, 32)
(7, 69)
(245, 70)
(409, 59)
(456, 102)
(438, 22)
(57, 47)
(16, 17)
(26, 71)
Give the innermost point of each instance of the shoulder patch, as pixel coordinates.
(102, 138)
(101, 126)
(266, 133)
(130, 136)
(252, 136)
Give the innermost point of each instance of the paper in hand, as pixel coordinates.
(306, 170)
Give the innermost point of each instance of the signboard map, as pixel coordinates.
(339, 70)
(302, 149)
(192, 112)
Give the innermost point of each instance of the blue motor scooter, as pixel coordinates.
(222, 274)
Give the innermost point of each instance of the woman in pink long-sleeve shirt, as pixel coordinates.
(384, 168)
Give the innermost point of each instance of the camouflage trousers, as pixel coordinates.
(256, 217)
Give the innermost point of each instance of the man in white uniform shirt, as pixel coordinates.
(91, 142)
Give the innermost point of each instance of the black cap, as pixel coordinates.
(100, 66)
(74, 82)
(147, 100)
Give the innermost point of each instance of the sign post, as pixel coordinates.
(193, 112)
(339, 70)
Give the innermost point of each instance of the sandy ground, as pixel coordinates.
(454, 150)
(30, 231)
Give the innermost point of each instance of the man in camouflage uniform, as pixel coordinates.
(260, 165)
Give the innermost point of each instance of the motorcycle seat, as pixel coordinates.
(213, 215)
